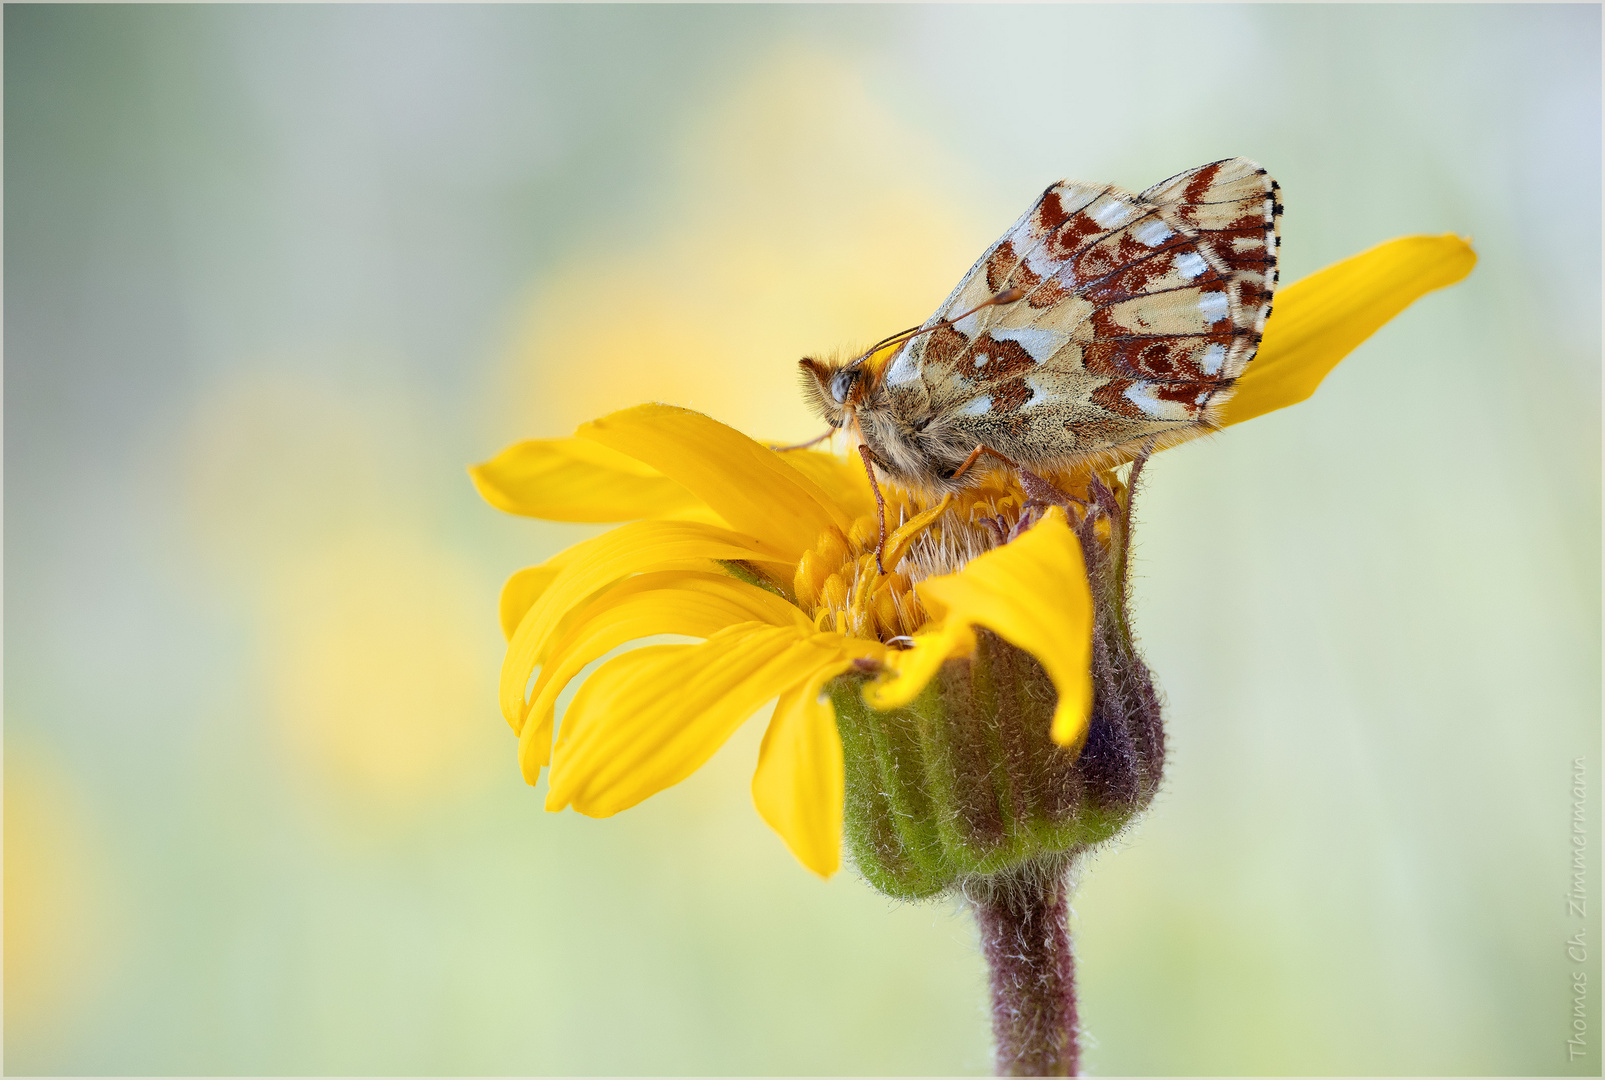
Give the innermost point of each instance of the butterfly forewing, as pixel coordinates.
(1139, 312)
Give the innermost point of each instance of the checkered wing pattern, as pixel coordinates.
(1139, 313)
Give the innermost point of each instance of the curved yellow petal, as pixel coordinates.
(842, 478)
(648, 719)
(799, 784)
(903, 537)
(917, 665)
(1033, 593)
(599, 562)
(749, 485)
(577, 480)
(526, 586)
(664, 602)
(1319, 320)
(521, 592)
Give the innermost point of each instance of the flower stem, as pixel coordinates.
(1025, 933)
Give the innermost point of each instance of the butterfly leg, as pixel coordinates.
(976, 453)
(880, 501)
(1041, 490)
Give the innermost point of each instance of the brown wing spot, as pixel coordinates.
(1200, 184)
(1251, 291)
(1105, 326)
(944, 348)
(1111, 396)
(1070, 237)
(1138, 277)
(1009, 396)
(991, 360)
(1186, 393)
(999, 263)
(1049, 214)
(1098, 260)
(1023, 278)
(1161, 358)
(1240, 249)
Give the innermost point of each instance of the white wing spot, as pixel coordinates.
(977, 406)
(1203, 396)
(980, 360)
(1039, 344)
(1213, 358)
(1142, 396)
(1214, 305)
(970, 325)
(1112, 214)
(1190, 265)
(1152, 232)
(902, 370)
(1039, 396)
(1040, 263)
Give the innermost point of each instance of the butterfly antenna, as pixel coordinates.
(1007, 296)
(804, 445)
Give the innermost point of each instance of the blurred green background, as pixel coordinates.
(275, 275)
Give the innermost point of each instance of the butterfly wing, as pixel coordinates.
(1140, 312)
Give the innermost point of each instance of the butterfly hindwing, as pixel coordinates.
(1236, 209)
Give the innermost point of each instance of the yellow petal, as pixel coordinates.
(1319, 320)
(667, 602)
(577, 480)
(648, 719)
(842, 478)
(527, 585)
(1033, 593)
(903, 537)
(917, 665)
(748, 484)
(597, 563)
(798, 787)
(521, 592)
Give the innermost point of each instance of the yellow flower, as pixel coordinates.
(770, 559)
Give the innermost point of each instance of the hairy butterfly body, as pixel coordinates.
(1102, 323)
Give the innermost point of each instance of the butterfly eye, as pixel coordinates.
(841, 384)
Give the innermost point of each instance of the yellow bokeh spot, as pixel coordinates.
(382, 665)
(374, 648)
(58, 903)
(275, 462)
(804, 219)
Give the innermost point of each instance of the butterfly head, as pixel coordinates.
(836, 389)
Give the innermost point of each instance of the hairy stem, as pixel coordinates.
(1025, 934)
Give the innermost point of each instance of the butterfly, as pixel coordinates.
(1103, 325)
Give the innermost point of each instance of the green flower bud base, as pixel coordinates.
(963, 791)
(964, 785)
